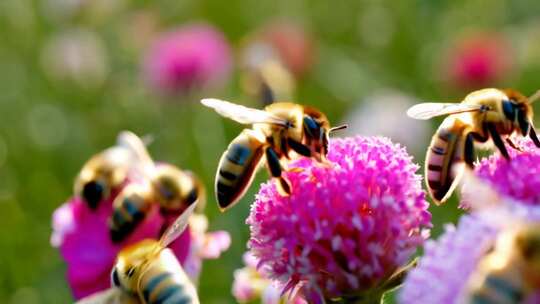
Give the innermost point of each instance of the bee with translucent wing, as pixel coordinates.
(173, 189)
(106, 172)
(148, 271)
(511, 272)
(486, 115)
(277, 131)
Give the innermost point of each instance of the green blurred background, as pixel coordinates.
(364, 49)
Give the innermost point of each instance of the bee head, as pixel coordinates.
(517, 109)
(130, 264)
(316, 128)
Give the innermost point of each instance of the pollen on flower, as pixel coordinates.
(346, 227)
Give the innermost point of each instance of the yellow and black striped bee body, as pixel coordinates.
(173, 189)
(237, 167)
(176, 189)
(277, 131)
(486, 115)
(149, 271)
(106, 172)
(511, 272)
(129, 210)
(154, 275)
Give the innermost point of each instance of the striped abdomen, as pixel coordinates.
(497, 290)
(129, 209)
(445, 158)
(165, 283)
(237, 168)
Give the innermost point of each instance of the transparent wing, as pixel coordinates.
(241, 114)
(431, 109)
(143, 161)
(178, 226)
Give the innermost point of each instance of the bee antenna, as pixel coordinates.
(534, 97)
(344, 126)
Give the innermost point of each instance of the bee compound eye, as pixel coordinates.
(509, 109)
(311, 126)
(114, 278)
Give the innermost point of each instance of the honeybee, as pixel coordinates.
(511, 272)
(488, 114)
(105, 172)
(277, 131)
(173, 189)
(148, 272)
(265, 77)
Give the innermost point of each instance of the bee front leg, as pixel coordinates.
(532, 134)
(498, 140)
(274, 165)
(513, 144)
(299, 148)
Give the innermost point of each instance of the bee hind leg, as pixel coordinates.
(274, 165)
(498, 140)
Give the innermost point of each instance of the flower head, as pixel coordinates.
(190, 57)
(347, 226)
(478, 60)
(83, 238)
(501, 197)
(448, 262)
(518, 178)
(251, 284)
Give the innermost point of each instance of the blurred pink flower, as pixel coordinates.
(251, 285)
(479, 60)
(83, 237)
(347, 226)
(204, 245)
(193, 56)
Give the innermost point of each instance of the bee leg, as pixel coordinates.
(498, 140)
(513, 144)
(285, 146)
(468, 153)
(274, 165)
(532, 134)
(299, 148)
